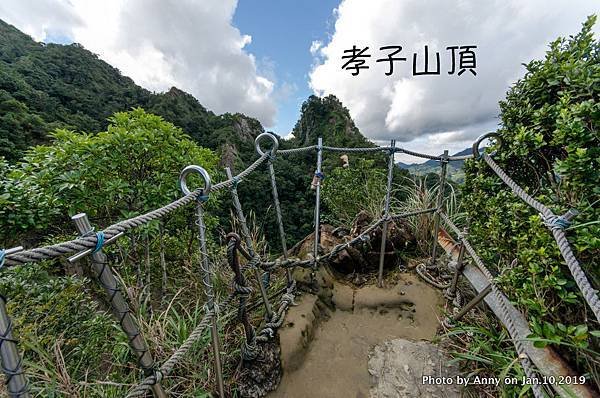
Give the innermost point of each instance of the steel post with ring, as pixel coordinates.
(479, 140)
(288, 272)
(439, 206)
(319, 175)
(204, 263)
(120, 307)
(386, 211)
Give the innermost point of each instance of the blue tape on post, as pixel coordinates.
(99, 241)
(2, 256)
(234, 182)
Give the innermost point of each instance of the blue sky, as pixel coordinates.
(282, 32)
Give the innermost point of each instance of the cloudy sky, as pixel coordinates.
(264, 57)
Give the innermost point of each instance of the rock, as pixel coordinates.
(397, 368)
(412, 263)
(298, 330)
(393, 297)
(343, 297)
(362, 257)
(262, 375)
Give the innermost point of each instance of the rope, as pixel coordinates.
(556, 225)
(7, 339)
(167, 367)
(555, 222)
(296, 150)
(418, 154)
(462, 157)
(89, 242)
(363, 237)
(357, 150)
(422, 272)
(505, 316)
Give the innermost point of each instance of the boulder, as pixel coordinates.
(364, 256)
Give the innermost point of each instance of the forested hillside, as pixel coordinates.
(49, 86)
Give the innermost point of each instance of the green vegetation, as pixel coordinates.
(133, 167)
(70, 341)
(98, 151)
(49, 86)
(551, 147)
(351, 190)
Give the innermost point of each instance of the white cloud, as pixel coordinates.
(443, 111)
(190, 44)
(315, 46)
(40, 18)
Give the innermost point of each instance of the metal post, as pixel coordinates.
(476, 300)
(318, 173)
(386, 212)
(460, 266)
(288, 272)
(246, 232)
(119, 306)
(210, 300)
(16, 382)
(440, 201)
(205, 267)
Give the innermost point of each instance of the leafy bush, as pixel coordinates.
(69, 339)
(348, 191)
(130, 169)
(550, 122)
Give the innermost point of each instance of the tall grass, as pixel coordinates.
(418, 194)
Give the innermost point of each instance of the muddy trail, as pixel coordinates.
(364, 341)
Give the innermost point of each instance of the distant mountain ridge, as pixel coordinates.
(454, 169)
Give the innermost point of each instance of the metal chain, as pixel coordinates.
(268, 330)
(554, 224)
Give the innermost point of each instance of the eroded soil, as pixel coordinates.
(325, 353)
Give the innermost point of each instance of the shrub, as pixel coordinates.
(550, 122)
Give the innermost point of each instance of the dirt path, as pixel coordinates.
(330, 357)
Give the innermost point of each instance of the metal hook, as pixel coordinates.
(272, 138)
(194, 169)
(479, 139)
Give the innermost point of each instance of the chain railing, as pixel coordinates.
(91, 242)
